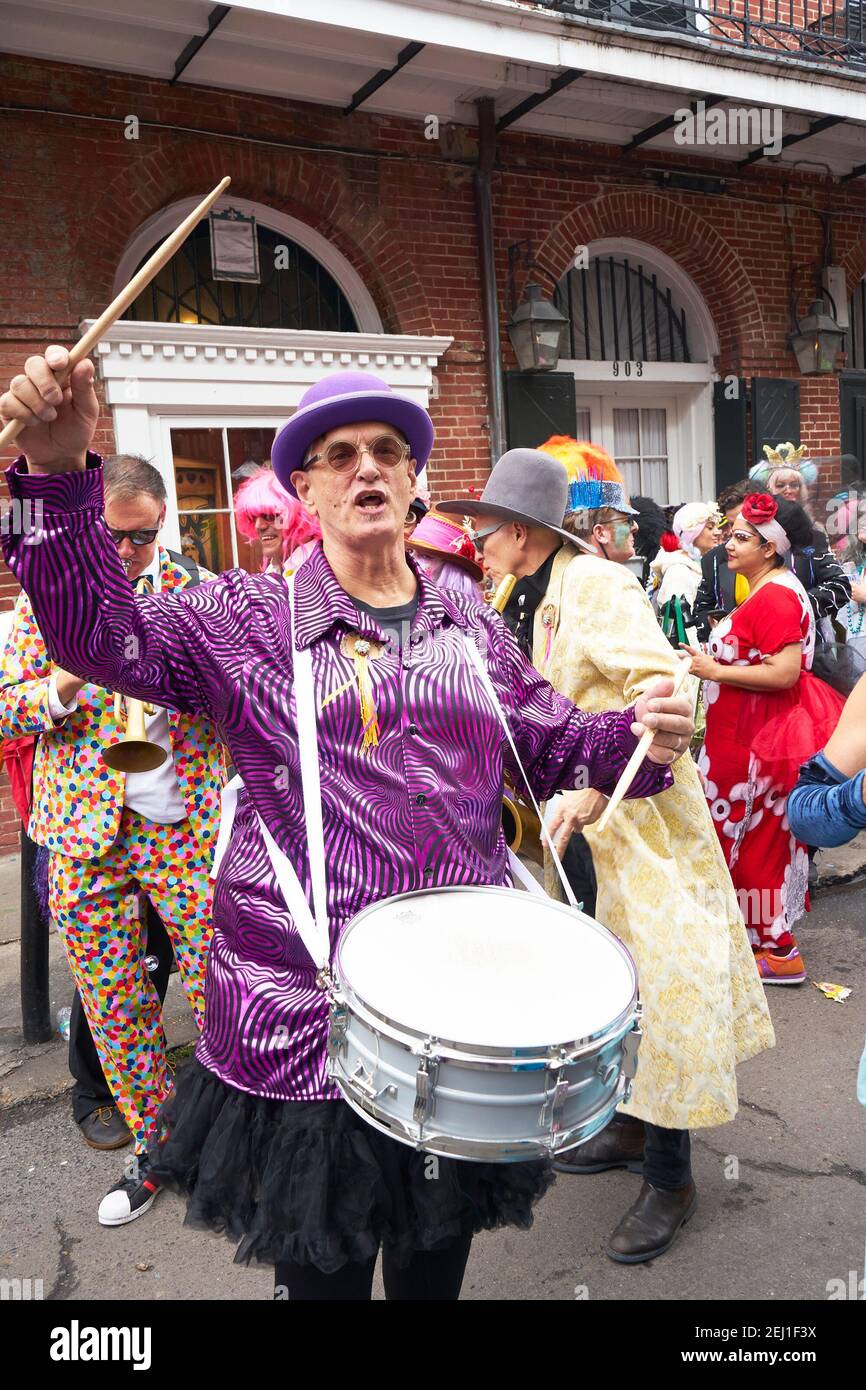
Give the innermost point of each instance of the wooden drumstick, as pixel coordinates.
(139, 281)
(630, 770)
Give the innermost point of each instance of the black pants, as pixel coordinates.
(667, 1162)
(435, 1275)
(580, 872)
(91, 1089)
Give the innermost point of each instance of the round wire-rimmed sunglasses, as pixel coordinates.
(386, 451)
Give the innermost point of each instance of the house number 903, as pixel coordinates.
(627, 368)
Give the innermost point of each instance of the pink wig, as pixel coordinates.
(262, 495)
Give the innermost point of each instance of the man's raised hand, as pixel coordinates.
(59, 422)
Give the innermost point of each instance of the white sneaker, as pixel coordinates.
(132, 1197)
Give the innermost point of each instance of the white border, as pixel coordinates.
(650, 257)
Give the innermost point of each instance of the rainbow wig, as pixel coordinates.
(594, 479)
(262, 495)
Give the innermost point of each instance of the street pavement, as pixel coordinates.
(782, 1210)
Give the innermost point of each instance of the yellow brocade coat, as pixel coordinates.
(663, 885)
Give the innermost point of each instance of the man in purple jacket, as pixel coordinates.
(411, 760)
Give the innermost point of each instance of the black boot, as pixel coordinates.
(652, 1224)
(105, 1128)
(620, 1145)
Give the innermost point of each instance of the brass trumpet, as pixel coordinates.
(520, 824)
(521, 828)
(135, 752)
(502, 594)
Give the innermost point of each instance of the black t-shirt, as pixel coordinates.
(394, 622)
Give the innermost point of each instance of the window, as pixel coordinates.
(620, 310)
(210, 463)
(640, 451)
(295, 290)
(648, 14)
(640, 439)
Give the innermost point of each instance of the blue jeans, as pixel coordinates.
(826, 807)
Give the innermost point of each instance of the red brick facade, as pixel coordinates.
(402, 212)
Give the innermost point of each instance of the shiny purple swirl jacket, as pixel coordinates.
(421, 810)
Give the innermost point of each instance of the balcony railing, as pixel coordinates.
(817, 31)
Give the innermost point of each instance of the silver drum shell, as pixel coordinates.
(490, 1104)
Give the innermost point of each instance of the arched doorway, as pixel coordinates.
(640, 348)
(313, 266)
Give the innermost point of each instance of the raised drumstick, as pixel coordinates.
(139, 281)
(630, 770)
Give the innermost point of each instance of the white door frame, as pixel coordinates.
(687, 390)
(688, 384)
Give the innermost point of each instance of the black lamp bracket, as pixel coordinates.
(521, 256)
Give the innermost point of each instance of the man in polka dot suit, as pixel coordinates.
(110, 832)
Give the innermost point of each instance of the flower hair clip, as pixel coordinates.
(759, 507)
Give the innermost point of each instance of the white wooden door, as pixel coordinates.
(640, 434)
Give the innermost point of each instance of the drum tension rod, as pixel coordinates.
(425, 1084)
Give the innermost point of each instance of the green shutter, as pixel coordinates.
(775, 414)
(729, 429)
(539, 404)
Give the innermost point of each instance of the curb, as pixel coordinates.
(56, 1088)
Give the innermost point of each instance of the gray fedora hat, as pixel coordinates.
(525, 485)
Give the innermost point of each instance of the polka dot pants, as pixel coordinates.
(95, 905)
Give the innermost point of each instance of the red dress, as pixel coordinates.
(756, 743)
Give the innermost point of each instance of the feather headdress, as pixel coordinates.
(594, 481)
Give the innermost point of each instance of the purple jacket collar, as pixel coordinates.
(323, 604)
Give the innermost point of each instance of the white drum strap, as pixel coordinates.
(284, 871)
(484, 675)
(312, 927)
(523, 875)
(308, 742)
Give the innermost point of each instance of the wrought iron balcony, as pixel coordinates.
(819, 31)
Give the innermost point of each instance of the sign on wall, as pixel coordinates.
(234, 246)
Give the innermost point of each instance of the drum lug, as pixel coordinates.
(338, 1027)
(551, 1110)
(630, 1045)
(425, 1085)
(325, 980)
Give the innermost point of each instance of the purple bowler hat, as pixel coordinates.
(346, 398)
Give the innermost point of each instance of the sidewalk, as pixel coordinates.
(29, 1073)
(35, 1072)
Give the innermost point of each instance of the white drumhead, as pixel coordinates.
(483, 966)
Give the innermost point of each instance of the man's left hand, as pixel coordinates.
(670, 718)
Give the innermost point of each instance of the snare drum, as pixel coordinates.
(483, 1023)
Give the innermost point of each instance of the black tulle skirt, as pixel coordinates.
(311, 1182)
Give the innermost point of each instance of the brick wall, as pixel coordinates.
(400, 207)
